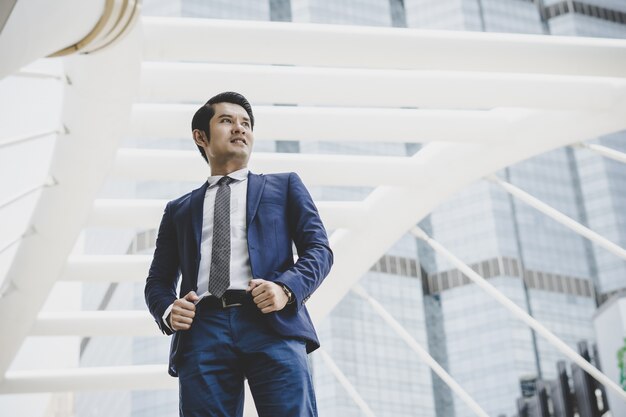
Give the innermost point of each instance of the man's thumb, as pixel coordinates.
(255, 282)
(191, 296)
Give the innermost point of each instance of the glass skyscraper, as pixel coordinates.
(551, 272)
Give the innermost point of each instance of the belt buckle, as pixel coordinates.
(224, 305)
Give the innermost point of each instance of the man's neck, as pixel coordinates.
(226, 169)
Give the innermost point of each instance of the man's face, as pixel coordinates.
(231, 135)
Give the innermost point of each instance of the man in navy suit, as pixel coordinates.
(240, 312)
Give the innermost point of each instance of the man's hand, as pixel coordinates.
(183, 312)
(267, 295)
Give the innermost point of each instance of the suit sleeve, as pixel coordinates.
(315, 257)
(160, 290)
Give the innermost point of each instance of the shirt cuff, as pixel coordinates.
(167, 313)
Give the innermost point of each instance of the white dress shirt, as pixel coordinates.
(240, 272)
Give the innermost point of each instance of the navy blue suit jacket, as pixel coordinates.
(279, 211)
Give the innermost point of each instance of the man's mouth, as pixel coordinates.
(239, 140)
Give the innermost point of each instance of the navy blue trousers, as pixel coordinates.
(224, 346)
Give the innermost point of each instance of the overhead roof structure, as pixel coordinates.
(477, 102)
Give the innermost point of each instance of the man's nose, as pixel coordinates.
(239, 127)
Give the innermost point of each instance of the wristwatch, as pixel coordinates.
(289, 294)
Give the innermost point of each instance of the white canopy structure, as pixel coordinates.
(478, 102)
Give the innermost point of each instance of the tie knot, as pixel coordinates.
(225, 180)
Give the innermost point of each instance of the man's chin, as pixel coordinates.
(242, 156)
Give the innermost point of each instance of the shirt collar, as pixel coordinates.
(238, 175)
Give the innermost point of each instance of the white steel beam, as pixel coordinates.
(136, 377)
(345, 383)
(147, 213)
(185, 39)
(49, 182)
(559, 217)
(24, 73)
(27, 137)
(364, 171)
(107, 268)
(135, 213)
(604, 151)
(520, 313)
(340, 124)
(177, 82)
(420, 351)
(8, 286)
(95, 323)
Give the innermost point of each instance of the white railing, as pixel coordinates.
(519, 313)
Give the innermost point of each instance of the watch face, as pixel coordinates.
(289, 295)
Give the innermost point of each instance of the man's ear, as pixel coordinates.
(200, 137)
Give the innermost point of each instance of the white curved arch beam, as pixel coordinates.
(449, 167)
(100, 95)
(41, 26)
(43, 23)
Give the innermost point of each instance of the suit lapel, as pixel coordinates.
(253, 197)
(197, 209)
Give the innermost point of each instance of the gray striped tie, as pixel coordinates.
(219, 276)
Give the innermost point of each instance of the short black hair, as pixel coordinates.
(201, 120)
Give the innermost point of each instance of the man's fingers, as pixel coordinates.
(180, 322)
(180, 326)
(191, 296)
(258, 288)
(268, 309)
(183, 312)
(184, 304)
(176, 324)
(261, 288)
(254, 283)
(182, 319)
(265, 304)
(261, 297)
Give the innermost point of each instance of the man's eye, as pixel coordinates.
(246, 124)
(226, 120)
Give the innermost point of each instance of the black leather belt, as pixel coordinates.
(231, 298)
